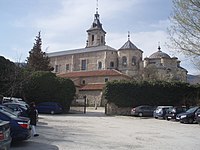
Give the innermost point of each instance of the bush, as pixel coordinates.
(44, 86)
(132, 93)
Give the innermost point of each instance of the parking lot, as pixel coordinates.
(95, 131)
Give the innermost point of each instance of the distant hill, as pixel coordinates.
(193, 79)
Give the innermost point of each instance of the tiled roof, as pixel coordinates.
(91, 87)
(81, 50)
(129, 45)
(96, 73)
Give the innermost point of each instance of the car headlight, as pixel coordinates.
(183, 116)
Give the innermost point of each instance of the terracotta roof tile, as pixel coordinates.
(91, 87)
(76, 74)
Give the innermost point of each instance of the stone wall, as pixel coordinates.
(112, 109)
(93, 97)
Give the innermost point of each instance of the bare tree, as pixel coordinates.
(185, 29)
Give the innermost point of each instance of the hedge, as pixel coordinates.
(133, 93)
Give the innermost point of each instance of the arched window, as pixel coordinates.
(83, 82)
(99, 65)
(124, 61)
(112, 64)
(92, 38)
(133, 60)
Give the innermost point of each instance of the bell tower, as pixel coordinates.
(96, 34)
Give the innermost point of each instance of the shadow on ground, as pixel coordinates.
(31, 145)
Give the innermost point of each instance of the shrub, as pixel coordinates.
(132, 93)
(45, 86)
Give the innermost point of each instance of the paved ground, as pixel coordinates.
(95, 131)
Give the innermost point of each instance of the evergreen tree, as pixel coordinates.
(38, 60)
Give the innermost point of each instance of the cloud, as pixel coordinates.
(161, 24)
(67, 27)
(146, 41)
(63, 25)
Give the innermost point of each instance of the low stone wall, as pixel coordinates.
(112, 109)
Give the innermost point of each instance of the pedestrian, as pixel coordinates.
(32, 114)
(1, 99)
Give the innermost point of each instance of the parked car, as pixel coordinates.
(17, 107)
(143, 110)
(49, 107)
(13, 100)
(171, 113)
(5, 138)
(188, 116)
(19, 126)
(9, 110)
(161, 111)
(197, 116)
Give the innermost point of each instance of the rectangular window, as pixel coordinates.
(106, 79)
(67, 67)
(83, 64)
(102, 40)
(56, 68)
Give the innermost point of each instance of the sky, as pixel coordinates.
(63, 25)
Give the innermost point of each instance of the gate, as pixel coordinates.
(79, 105)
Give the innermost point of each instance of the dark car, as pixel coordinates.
(188, 116)
(5, 138)
(171, 113)
(143, 111)
(197, 116)
(161, 111)
(2, 107)
(49, 107)
(19, 108)
(19, 126)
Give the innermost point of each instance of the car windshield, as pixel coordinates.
(171, 109)
(12, 115)
(191, 110)
(166, 107)
(4, 108)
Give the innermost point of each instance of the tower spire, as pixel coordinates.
(159, 48)
(97, 7)
(128, 35)
(96, 34)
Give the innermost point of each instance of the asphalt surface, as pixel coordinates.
(95, 131)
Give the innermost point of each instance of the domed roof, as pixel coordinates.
(159, 54)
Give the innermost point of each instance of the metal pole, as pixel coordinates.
(85, 100)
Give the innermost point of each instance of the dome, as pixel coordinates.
(159, 54)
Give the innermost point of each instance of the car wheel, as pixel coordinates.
(140, 114)
(190, 120)
(52, 112)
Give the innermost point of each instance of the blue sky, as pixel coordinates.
(63, 25)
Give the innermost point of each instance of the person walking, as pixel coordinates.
(1, 99)
(32, 114)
